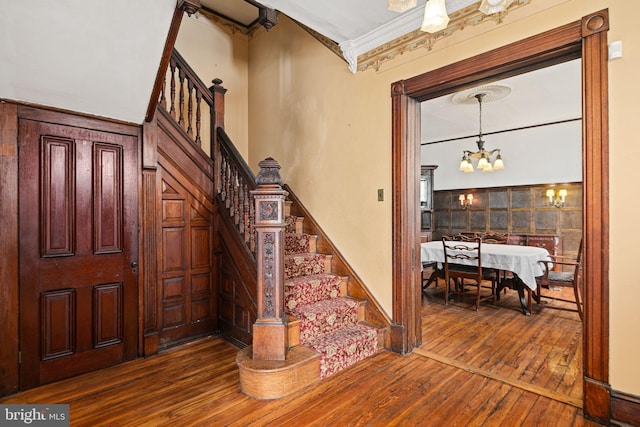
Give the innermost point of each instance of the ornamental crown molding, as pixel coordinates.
(417, 39)
(227, 25)
(403, 24)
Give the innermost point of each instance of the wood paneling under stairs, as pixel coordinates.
(541, 352)
(197, 384)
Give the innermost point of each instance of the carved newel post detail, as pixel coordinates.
(269, 331)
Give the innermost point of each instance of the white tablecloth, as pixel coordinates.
(522, 260)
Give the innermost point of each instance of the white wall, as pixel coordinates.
(542, 155)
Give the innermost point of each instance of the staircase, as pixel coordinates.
(327, 330)
(281, 284)
(327, 320)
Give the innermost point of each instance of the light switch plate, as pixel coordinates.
(380, 194)
(615, 50)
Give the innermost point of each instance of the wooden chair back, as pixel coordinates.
(463, 260)
(571, 276)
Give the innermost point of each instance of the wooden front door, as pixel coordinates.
(78, 245)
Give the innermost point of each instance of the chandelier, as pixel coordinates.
(483, 156)
(435, 11)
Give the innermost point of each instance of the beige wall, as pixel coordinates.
(213, 53)
(331, 132)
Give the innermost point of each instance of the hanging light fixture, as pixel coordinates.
(400, 5)
(483, 156)
(435, 16)
(494, 6)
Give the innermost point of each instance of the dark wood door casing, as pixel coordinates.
(587, 39)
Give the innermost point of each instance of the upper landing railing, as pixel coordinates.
(199, 112)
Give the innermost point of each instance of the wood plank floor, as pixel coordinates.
(541, 352)
(197, 384)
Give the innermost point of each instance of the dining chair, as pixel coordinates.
(494, 238)
(571, 275)
(463, 260)
(437, 272)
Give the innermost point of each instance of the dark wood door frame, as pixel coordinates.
(586, 38)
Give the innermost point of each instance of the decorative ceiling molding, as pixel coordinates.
(329, 44)
(229, 26)
(392, 30)
(468, 16)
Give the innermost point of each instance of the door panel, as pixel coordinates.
(187, 301)
(78, 237)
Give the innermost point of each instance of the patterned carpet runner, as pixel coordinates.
(329, 321)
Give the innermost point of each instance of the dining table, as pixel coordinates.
(525, 262)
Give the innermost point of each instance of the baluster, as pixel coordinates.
(223, 169)
(163, 100)
(172, 111)
(232, 189)
(235, 195)
(241, 187)
(181, 78)
(245, 212)
(223, 165)
(190, 108)
(227, 183)
(198, 101)
(252, 229)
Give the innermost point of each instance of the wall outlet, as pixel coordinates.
(380, 194)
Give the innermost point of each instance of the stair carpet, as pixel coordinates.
(330, 322)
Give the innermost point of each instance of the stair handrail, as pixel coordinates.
(240, 195)
(235, 181)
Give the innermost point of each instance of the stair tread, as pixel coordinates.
(325, 306)
(294, 281)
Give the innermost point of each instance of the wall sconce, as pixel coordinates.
(556, 200)
(466, 202)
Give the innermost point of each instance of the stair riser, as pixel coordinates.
(316, 289)
(306, 265)
(345, 357)
(298, 243)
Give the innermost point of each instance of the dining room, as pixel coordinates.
(528, 129)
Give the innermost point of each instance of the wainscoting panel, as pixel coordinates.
(515, 209)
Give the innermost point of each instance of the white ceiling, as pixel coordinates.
(94, 57)
(357, 26)
(237, 10)
(351, 20)
(101, 57)
(542, 96)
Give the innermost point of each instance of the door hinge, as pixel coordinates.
(19, 357)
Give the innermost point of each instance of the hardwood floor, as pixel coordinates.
(197, 384)
(541, 352)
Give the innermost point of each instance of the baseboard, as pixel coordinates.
(625, 408)
(597, 400)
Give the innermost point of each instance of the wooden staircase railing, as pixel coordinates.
(186, 94)
(236, 189)
(235, 181)
(250, 224)
(191, 104)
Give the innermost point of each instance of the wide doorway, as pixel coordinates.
(534, 120)
(585, 39)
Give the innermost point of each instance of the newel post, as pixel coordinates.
(217, 120)
(269, 331)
